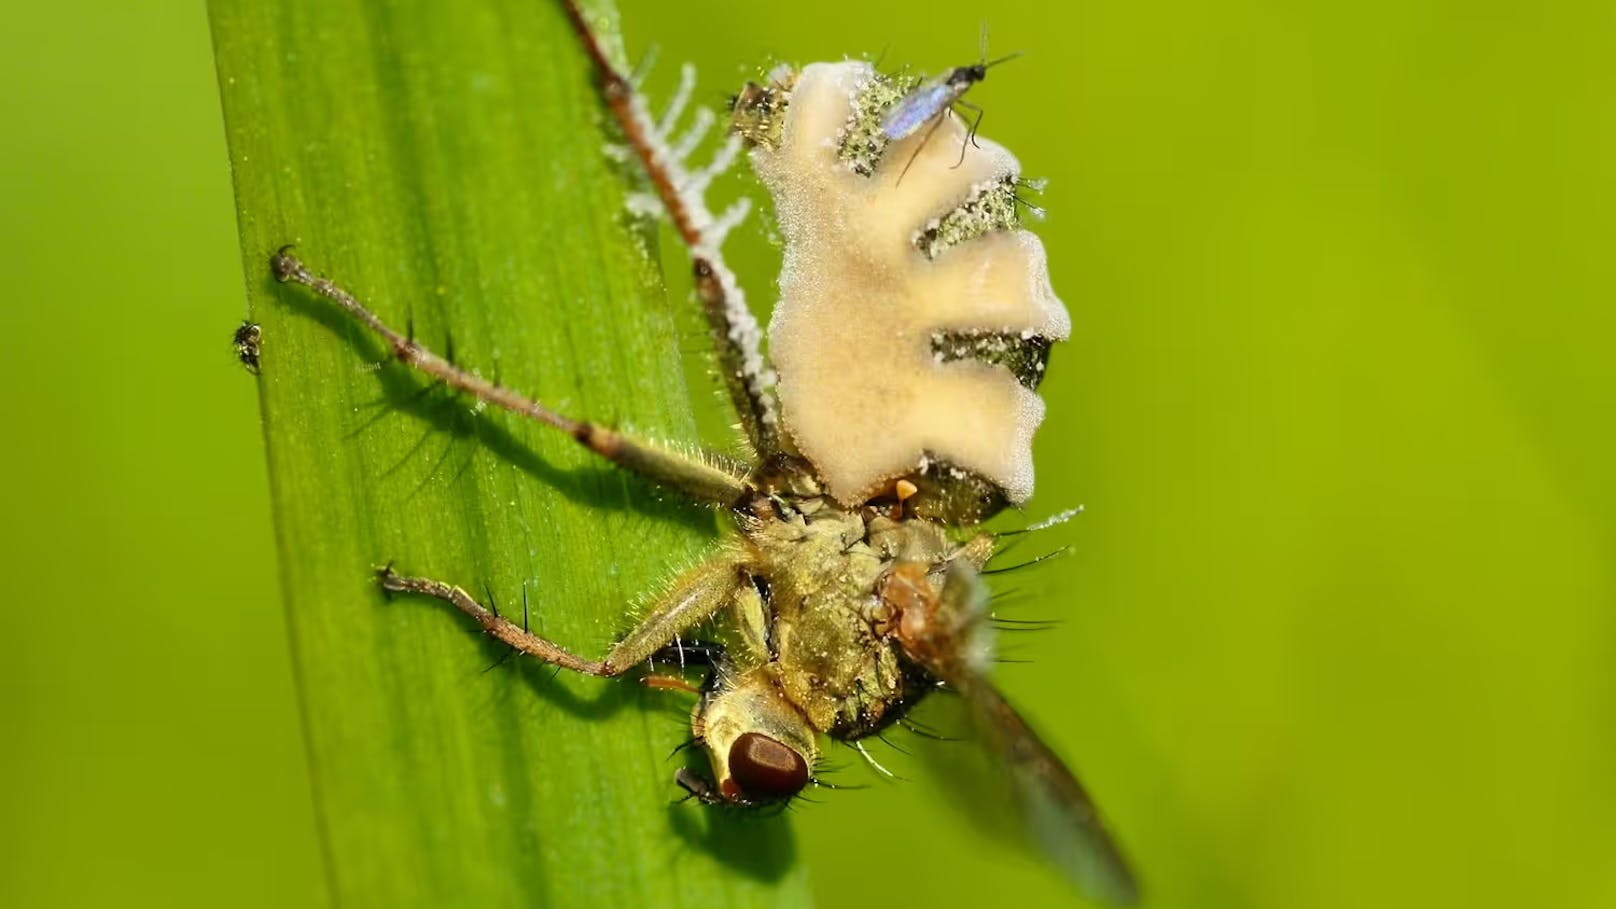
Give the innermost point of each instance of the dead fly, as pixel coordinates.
(852, 586)
(246, 341)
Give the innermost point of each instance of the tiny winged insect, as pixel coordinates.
(931, 101)
(852, 587)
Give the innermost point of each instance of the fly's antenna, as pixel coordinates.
(982, 51)
(989, 64)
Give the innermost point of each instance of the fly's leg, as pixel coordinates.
(735, 339)
(695, 478)
(935, 122)
(735, 332)
(970, 135)
(691, 599)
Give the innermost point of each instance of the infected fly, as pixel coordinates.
(853, 584)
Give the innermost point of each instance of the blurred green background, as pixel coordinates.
(1338, 625)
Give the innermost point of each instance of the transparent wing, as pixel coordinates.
(915, 109)
(1060, 816)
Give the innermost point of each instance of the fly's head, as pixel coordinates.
(761, 747)
(966, 76)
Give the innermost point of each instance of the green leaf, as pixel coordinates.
(447, 163)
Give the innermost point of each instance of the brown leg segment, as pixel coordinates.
(690, 600)
(695, 478)
(733, 332)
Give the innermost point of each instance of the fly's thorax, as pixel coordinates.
(761, 747)
(909, 539)
(963, 77)
(823, 564)
(800, 540)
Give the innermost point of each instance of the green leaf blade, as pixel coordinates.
(447, 165)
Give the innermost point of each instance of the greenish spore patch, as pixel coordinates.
(953, 495)
(1025, 355)
(863, 139)
(990, 206)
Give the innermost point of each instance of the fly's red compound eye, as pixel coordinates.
(765, 769)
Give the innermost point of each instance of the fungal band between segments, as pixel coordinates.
(1024, 355)
(990, 206)
(863, 139)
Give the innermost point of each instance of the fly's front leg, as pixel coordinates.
(691, 599)
(694, 477)
(737, 339)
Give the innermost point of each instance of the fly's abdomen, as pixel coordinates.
(916, 315)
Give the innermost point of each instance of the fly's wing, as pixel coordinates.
(915, 109)
(1060, 816)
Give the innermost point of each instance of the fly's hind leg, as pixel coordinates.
(694, 477)
(690, 599)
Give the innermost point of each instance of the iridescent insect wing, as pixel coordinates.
(1060, 816)
(917, 108)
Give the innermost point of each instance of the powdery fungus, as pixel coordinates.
(881, 278)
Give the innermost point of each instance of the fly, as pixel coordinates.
(930, 102)
(852, 587)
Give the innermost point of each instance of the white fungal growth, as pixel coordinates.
(669, 154)
(1055, 520)
(862, 394)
